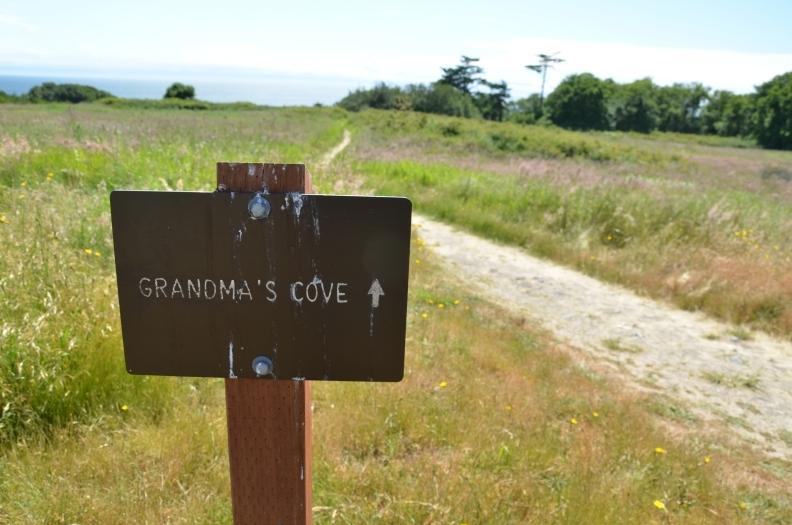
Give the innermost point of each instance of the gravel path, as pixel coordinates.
(655, 347)
(687, 356)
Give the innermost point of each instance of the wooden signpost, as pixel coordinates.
(270, 287)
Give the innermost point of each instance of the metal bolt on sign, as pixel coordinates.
(259, 207)
(262, 366)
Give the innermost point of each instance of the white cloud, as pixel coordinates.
(16, 22)
(732, 70)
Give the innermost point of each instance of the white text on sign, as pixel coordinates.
(240, 290)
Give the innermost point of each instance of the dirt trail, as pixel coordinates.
(338, 148)
(747, 384)
(655, 347)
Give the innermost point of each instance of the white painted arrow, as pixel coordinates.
(375, 292)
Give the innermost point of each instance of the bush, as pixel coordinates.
(381, 96)
(633, 106)
(526, 110)
(181, 91)
(442, 99)
(74, 93)
(8, 98)
(727, 114)
(579, 103)
(773, 117)
(680, 107)
(166, 103)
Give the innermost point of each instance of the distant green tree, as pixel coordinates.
(633, 106)
(579, 103)
(74, 93)
(738, 117)
(493, 105)
(442, 99)
(179, 90)
(381, 96)
(773, 113)
(727, 114)
(526, 110)
(463, 76)
(680, 106)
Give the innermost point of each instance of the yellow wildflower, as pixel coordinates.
(707, 459)
(50, 175)
(659, 505)
(660, 450)
(124, 408)
(457, 301)
(24, 183)
(88, 251)
(97, 254)
(743, 505)
(442, 384)
(424, 315)
(3, 219)
(573, 421)
(417, 261)
(440, 305)
(595, 414)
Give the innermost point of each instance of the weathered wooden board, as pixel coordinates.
(319, 286)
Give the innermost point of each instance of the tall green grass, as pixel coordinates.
(61, 357)
(466, 135)
(634, 230)
(60, 351)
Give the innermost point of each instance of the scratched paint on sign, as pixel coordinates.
(208, 283)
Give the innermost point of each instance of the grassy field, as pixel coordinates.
(494, 423)
(695, 221)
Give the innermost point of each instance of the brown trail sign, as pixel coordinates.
(260, 280)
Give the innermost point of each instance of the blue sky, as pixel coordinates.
(722, 44)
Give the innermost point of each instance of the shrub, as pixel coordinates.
(526, 110)
(8, 97)
(633, 106)
(442, 99)
(680, 107)
(74, 93)
(181, 91)
(579, 103)
(381, 96)
(773, 117)
(727, 114)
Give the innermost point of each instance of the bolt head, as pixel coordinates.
(259, 207)
(262, 366)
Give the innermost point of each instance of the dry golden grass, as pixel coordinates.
(494, 423)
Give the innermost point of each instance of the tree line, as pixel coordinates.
(76, 93)
(585, 102)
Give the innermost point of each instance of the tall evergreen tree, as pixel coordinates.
(494, 105)
(463, 76)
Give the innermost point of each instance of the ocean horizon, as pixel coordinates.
(266, 90)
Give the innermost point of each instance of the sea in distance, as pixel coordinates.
(270, 90)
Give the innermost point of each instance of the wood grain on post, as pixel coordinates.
(269, 422)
